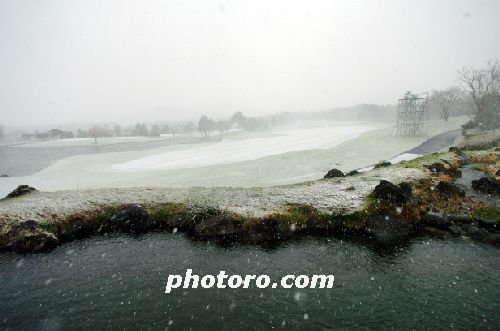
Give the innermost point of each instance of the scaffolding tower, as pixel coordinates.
(412, 115)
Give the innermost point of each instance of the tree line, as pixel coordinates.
(478, 96)
(237, 120)
(483, 87)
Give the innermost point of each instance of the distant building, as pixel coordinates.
(60, 134)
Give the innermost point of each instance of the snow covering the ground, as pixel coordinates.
(331, 195)
(230, 151)
(247, 162)
(78, 142)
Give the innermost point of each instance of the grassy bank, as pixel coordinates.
(378, 221)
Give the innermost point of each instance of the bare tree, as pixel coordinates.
(222, 126)
(94, 133)
(238, 118)
(483, 86)
(155, 130)
(445, 100)
(141, 130)
(206, 125)
(117, 129)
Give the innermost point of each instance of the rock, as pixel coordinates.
(447, 169)
(436, 167)
(455, 230)
(406, 190)
(334, 173)
(222, 226)
(455, 150)
(4, 175)
(460, 219)
(132, 218)
(437, 220)
(26, 238)
(314, 223)
(386, 191)
(181, 222)
(497, 173)
(353, 173)
(385, 228)
(79, 226)
(447, 188)
(21, 190)
(269, 230)
(482, 235)
(491, 225)
(382, 164)
(486, 185)
(34, 242)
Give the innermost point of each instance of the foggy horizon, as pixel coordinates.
(123, 62)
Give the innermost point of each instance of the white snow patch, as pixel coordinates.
(78, 142)
(231, 151)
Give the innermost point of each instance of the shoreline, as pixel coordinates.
(338, 207)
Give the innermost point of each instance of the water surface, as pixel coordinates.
(118, 282)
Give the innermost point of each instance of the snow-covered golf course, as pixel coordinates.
(284, 156)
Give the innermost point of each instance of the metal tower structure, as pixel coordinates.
(412, 115)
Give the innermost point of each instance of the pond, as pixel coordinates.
(118, 282)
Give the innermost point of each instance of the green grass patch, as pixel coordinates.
(421, 162)
(297, 214)
(160, 212)
(104, 214)
(490, 211)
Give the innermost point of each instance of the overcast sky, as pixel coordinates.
(124, 61)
